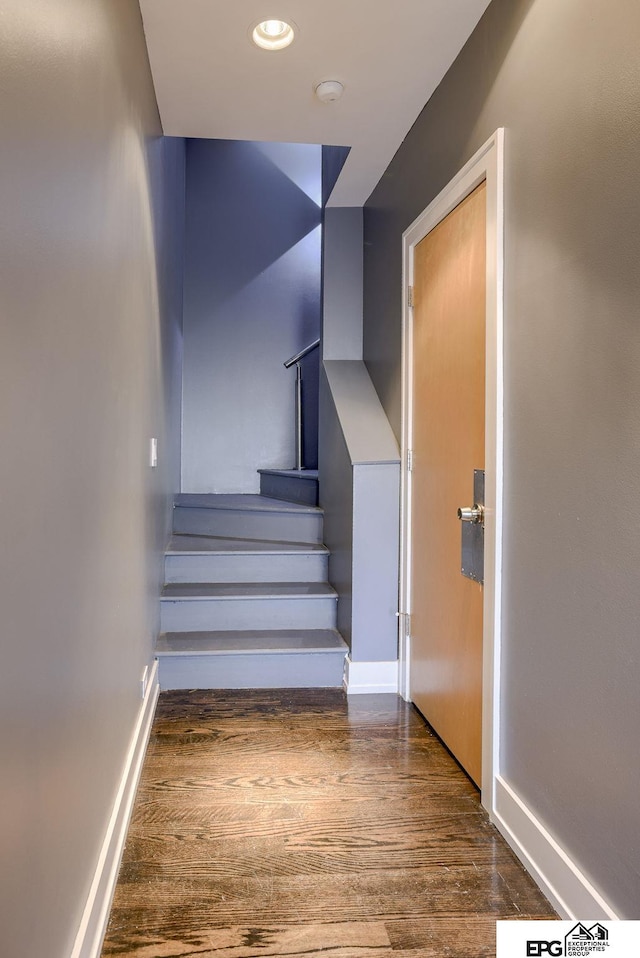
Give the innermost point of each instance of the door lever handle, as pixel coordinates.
(473, 513)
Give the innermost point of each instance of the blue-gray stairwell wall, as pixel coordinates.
(251, 300)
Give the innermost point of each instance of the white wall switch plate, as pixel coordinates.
(143, 681)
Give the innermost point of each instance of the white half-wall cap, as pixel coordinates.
(329, 90)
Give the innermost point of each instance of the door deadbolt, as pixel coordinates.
(474, 513)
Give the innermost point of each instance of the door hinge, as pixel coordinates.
(410, 460)
(405, 622)
(410, 296)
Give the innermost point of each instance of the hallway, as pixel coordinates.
(300, 823)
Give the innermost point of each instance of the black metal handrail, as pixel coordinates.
(299, 413)
(303, 352)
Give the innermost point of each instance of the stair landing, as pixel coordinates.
(294, 485)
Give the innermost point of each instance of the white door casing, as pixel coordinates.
(486, 165)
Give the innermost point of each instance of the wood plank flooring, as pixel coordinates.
(300, 823)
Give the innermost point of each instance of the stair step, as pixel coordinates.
(246, 502)
(292, 485)
(245, 642)
(219, 545)
(246, 517)
(252, 659)
(209, 559)
(241, 591)
(193, 607)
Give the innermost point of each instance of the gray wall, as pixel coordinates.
(333, 159)
(563, 79)
(341, 339)
(166, 164)
(354, 423)
(359, 459)
(342, 283)
(89, 366)
(335, 476)
(252, 299)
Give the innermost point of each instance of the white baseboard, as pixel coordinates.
(566, 887)
(364, 677)
(95, 917)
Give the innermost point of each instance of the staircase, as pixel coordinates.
(246, 602)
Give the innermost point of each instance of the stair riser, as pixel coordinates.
(290, 489)
(286, 527)
(259, 671)
(221, 614)
(239, 568)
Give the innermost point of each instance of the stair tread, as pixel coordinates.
(310, 474)
(246, 642)
(242, 502)
(220, 545)
(248, 590)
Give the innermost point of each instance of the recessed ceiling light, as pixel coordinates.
(273, 34)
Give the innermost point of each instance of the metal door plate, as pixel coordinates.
(473, 535)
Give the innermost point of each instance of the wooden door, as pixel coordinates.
(448, 444)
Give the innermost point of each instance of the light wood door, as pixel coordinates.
(448, 444)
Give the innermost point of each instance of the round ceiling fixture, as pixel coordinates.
(329, 90)
(273, 34)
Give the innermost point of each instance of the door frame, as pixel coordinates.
(486, 165)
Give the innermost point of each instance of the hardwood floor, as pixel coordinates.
(299, 823)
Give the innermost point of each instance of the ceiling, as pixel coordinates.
(211, 81)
